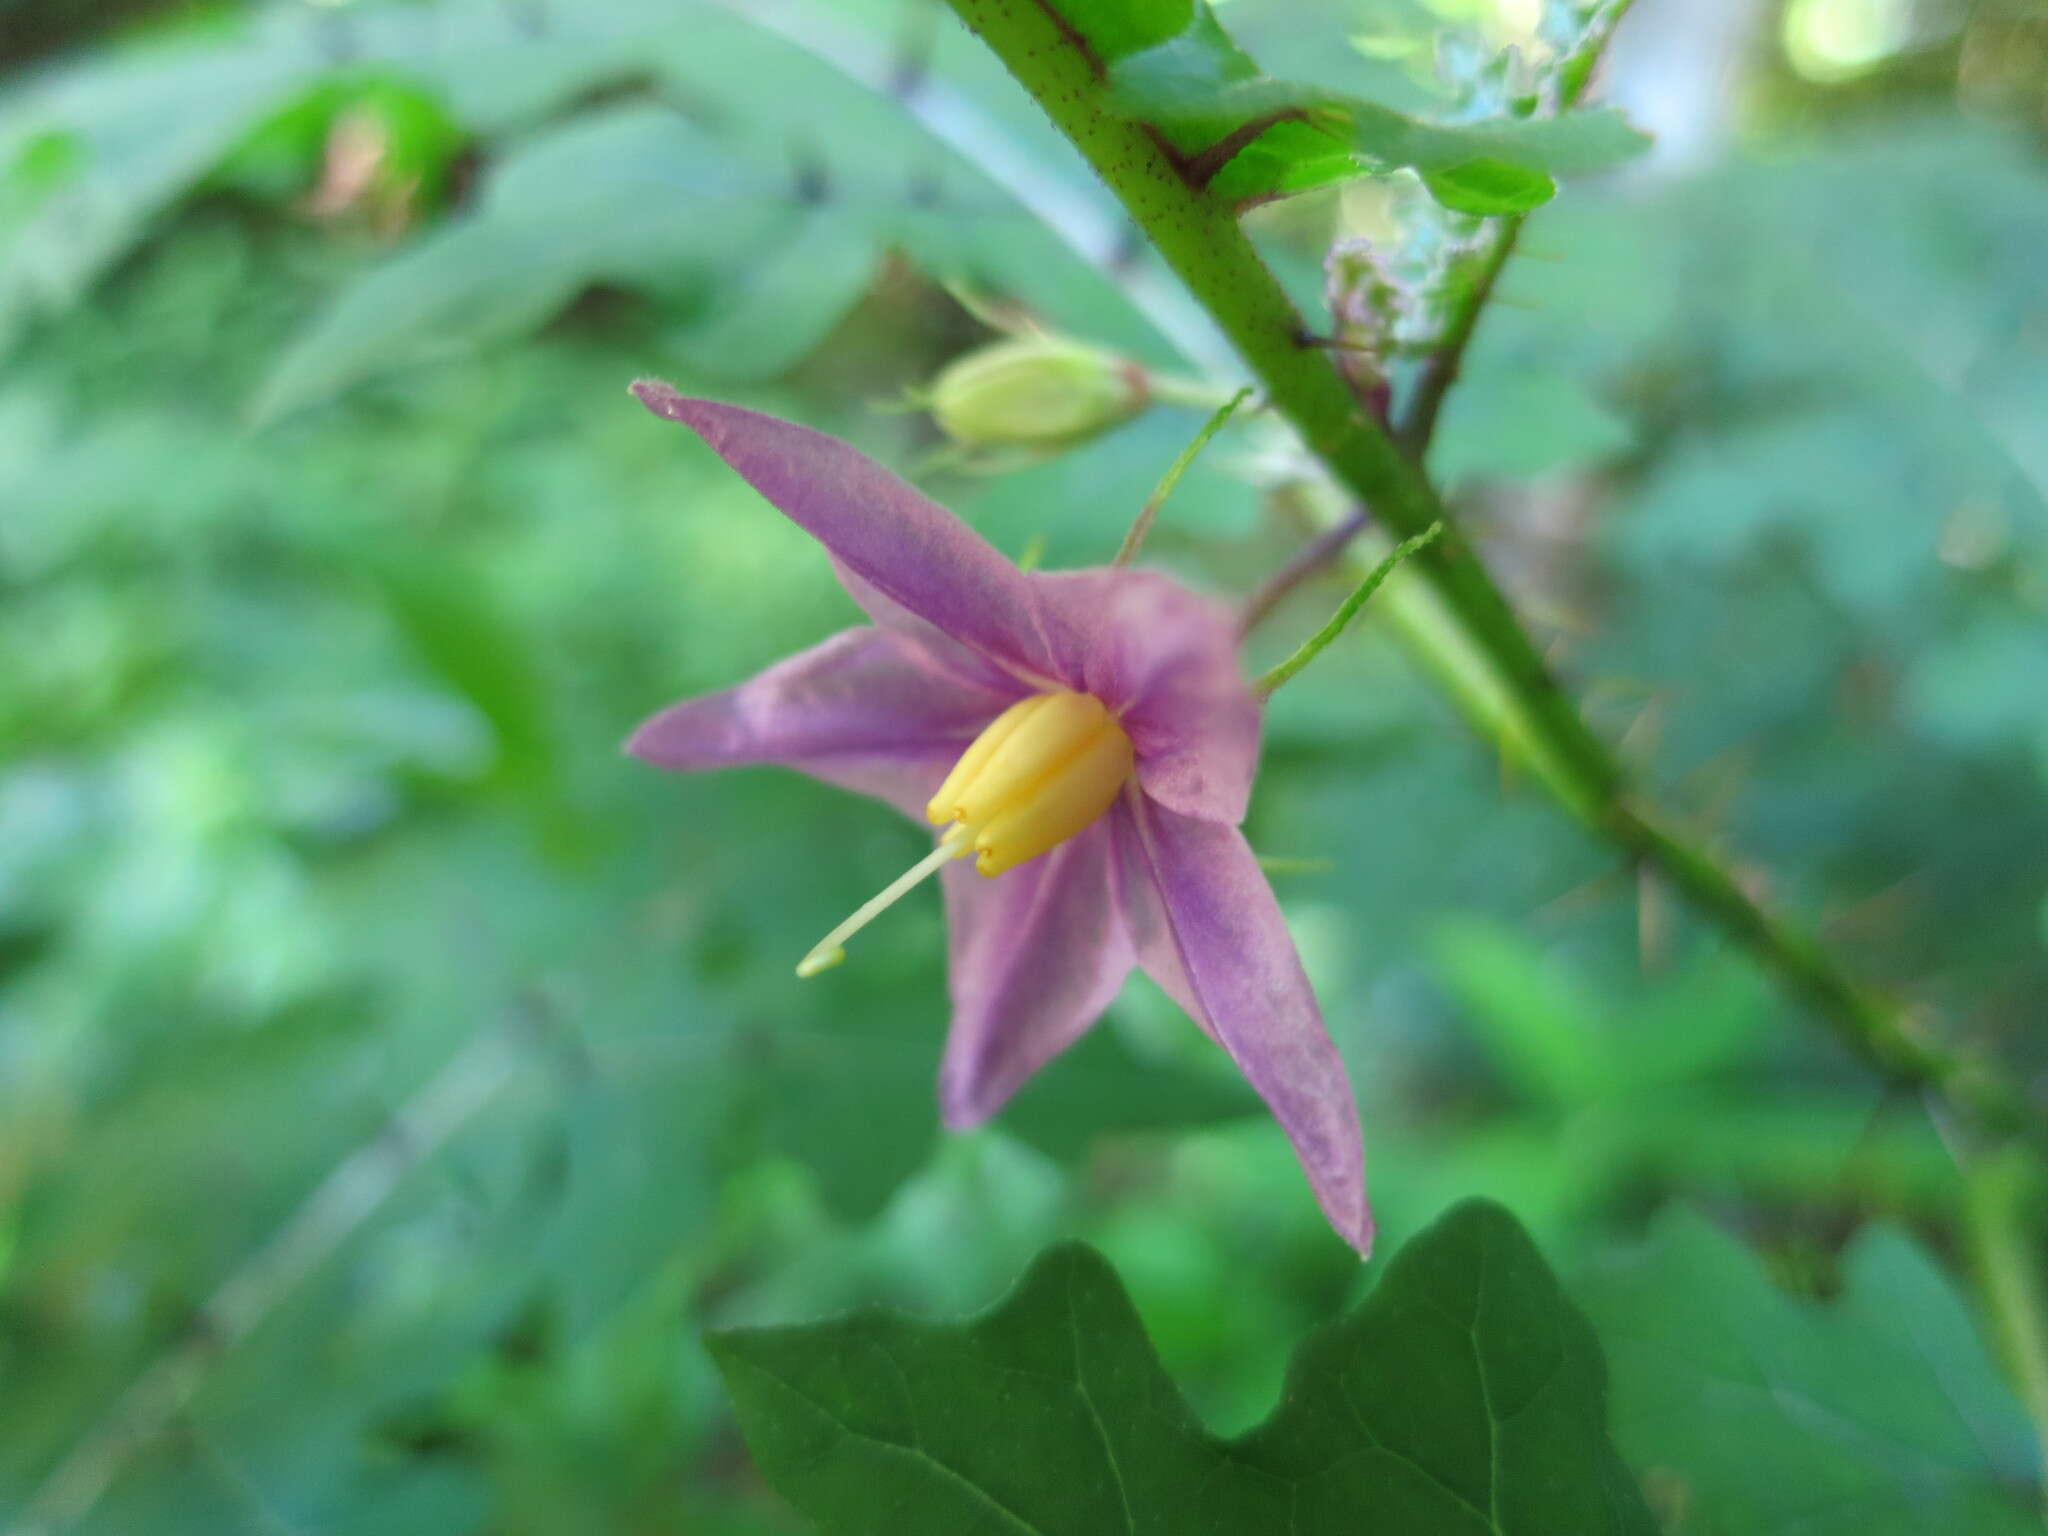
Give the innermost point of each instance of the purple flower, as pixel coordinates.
(1087, 736)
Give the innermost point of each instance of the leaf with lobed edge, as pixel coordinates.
(1465, 1396)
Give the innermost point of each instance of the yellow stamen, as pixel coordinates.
(1060, 805)
(939, 810)
(1044, 770)
(1041, 771)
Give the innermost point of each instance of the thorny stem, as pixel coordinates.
(1877, 1030)
(1316, 643)
(1201, 239)
(1149, 513)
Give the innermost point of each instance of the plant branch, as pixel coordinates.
(1873, 1028)
(1202, 241)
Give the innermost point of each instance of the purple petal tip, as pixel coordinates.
(958, 1110)
(661, 398)
(1360, 1236)
(635, 745)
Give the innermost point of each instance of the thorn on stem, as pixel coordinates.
(1307, 338)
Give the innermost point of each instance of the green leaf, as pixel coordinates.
(1488, 187)
(467, 641)
(1184, 78)
(1200, 89)
(102, 147)
(1879, 1415)
(1464, 1396)
(1115, 29)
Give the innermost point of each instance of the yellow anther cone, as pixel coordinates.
(1044, 769)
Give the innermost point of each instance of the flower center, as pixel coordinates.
(1044, 769)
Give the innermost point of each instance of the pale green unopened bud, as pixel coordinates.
(1036, 392)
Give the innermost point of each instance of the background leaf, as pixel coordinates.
(1879, 1412)
(633, 195)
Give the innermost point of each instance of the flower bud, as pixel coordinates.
(1035, 392)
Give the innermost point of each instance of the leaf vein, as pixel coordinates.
(916, 1453)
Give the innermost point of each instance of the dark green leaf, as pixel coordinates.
(1464, 1396)
(1879, 1415)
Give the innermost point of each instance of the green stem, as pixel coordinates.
(1346, 611)
(2005, 1214)
(1199, 236)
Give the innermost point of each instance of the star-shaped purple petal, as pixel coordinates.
(1163, 880)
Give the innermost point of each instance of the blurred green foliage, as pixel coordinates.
(1879, 1413)
(394, 1079)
